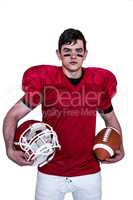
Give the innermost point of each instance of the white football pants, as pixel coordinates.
(86, 187)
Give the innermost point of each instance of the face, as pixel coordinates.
(72, 56)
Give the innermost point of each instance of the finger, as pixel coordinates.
(21, 159)
(109, 160)
(113, 160)
(118, 152)
(26, 161)
(23, 162)
(105, 162)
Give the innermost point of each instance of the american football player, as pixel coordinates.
(70, 96)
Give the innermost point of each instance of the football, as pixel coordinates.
(107, 141)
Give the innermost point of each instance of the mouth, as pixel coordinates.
(73, 63)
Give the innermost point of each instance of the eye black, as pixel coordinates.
(66, 55)
(79, 55)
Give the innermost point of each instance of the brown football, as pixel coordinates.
(107, 141)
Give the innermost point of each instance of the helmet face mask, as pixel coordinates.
(38, 140)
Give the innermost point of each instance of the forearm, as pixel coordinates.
(18, 111)
(111, 120)
(9, 127)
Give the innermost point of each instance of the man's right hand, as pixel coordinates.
(18, 157)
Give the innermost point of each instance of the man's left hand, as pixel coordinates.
(119, 154)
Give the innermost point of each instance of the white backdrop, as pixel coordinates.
(29, 31)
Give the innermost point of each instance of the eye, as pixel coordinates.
(66, 50)
(79, 50)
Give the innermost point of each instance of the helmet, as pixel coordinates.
(38, 140)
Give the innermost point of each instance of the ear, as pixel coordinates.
(58, 54)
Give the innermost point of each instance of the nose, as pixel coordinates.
(73, 55)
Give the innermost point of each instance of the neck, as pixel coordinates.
(72, 74)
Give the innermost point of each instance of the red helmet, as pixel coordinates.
(38, 140)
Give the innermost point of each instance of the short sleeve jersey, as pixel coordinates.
(71, 111)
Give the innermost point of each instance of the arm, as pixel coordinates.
(17, 112)
(111, 120)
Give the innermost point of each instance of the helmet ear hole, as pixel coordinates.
(38, 140)
(38, 131)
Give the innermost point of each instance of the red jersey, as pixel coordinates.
(71, 111)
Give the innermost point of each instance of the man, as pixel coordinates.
(70, 96)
